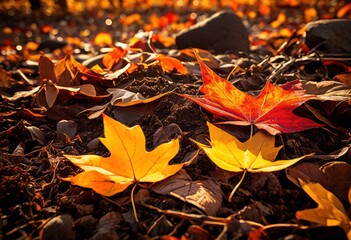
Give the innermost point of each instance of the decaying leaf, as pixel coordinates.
(328, 90)
(205, 194)
(330, 211)
(257, 154)
(123, 98)
(129, 162)
(271, 110)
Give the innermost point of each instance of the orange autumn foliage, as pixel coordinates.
(129, 162)
(170, 64)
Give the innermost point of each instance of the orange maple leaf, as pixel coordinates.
(129, 162)
(271, 110)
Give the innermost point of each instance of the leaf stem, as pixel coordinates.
(133, 204)
(237, 186)
(251, 133)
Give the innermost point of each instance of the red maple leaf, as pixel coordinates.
(271, 110)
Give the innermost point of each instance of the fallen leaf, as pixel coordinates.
(118, 72)
(344, 77)
(328, 90)
(204, 194)
(329, 175)
(23, 94)
(271, 110)
(330, 211)
(125, 98)
(36, 134)
(113, 57)
(169, 64)
(129, 162)
(24, 114)
(257, 154)
(46, 69)
(66, 127)
(166, 133)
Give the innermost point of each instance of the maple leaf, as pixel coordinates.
(271, 110)
(129, 162)
(330, 211)
(257, 154)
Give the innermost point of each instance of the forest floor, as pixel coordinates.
(48, 119)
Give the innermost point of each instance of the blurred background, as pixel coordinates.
(52, 7)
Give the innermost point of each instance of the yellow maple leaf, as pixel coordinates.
(129, 162)
(330, 211)
(257, 154)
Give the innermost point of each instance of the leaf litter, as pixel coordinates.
(51, 107)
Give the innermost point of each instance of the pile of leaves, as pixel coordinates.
(137, 140)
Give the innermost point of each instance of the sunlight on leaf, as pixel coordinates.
(257, 154)
(330, 211)
(170, 64)
(271, 110)
(129, 162)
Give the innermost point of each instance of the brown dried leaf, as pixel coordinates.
(68, 127)
(166, 133)
(329, 175)
(205, 194)
(328, 90)
(47, 69)
(107, 225)
(51, 92)
(36, 134)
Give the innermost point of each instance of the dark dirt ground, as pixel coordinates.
(31, 166)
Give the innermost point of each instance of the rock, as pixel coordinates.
(50, 45)
(330, 36)
(223, 32)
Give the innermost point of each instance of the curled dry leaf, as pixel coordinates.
(113, 57)
(271, 110)
(125, 98)
(328, 90)
(330, 211)
(170, 64)
(36, 134)
(204, 194)
(129, 162)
